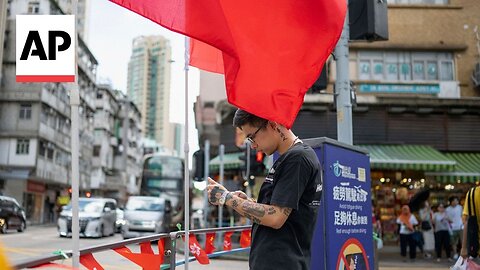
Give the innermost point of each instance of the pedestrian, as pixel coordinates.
(442, 232)
(426, 225)
(454, 213)
(286, 210)
(407, 221)
(471, 210)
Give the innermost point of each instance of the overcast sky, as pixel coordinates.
(111, 30)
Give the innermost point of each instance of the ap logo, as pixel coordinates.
(45, 48)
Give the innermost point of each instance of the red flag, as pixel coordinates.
(89, 262)
(209, 243)
(196, 250)
(227, 241)
(272, 52)
(146, 261)
(205, 57)
(246, 238)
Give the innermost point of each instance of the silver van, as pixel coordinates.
(145, 215)
(97, 217)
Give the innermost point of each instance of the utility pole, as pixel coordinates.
(205, 177)
(342, 87)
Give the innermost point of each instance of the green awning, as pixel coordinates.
(467, 169)
(230, 161)
(408, 157)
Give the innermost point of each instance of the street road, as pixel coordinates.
(36, 241)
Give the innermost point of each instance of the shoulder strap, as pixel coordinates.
(471, 202)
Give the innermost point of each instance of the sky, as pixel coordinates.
(111, 29)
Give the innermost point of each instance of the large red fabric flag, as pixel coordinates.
(206, 57)
(272, 51)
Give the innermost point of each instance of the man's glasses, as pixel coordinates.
(251, 138)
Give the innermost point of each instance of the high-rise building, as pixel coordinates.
(148, 85)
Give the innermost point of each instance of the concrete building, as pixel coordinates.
(117, 155)
(149, 86)
(179, 139)
(82, 14)
(3, 23)
(35, 127)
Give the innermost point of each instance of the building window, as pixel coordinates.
(25, 111)
(33, 7)
(403, 66)
(96, 150)
(23, 146)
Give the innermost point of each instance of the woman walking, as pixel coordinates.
(406, 221)
(442, 235)
(426, 225)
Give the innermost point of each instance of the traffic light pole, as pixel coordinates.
(342, 88)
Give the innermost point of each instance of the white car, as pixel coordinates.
(97, 217)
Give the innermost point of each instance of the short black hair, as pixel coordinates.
(243, 117)
(453, 198)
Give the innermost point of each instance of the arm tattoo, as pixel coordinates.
(215, 194)
(271, 211)
(253, 209)
(234, 203)
(228, 197)
(287, 211)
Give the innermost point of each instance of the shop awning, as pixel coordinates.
(230, 161)
(467, 169)
(408, 157)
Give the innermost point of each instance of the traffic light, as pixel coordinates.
(368, 20)
(199, 165)
(322, 81)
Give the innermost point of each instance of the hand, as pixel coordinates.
(215, 191)
(464, 253)
(242, 195)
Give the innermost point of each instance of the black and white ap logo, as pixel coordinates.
(45, 48)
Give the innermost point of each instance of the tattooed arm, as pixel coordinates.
(268, 215)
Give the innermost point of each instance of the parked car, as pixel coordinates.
(12, 215)
(120, 221)
(146, 215)
(97, 217)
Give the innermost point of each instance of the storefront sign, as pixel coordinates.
(343, 236)
(400, 88)
(37, 187)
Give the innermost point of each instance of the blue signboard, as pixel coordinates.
(400, 88)
(343, 237)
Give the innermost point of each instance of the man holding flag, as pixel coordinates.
(285, 213)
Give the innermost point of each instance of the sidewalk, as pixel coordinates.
(390, 259)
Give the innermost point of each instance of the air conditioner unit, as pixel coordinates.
(476, 75)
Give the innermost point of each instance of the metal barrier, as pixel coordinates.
(170, 248)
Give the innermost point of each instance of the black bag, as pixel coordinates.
(472, 223)
(425, 225)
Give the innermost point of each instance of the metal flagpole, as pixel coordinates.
(342, 87)
(187, 175)
(220, 207)
(74, 115)
(206, 209)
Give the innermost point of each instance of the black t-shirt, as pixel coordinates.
(294, 181)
